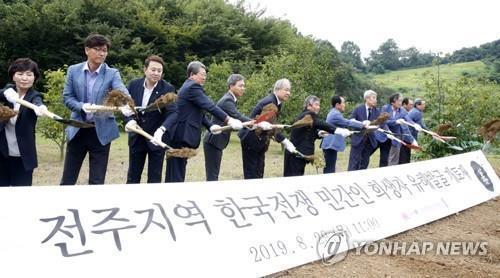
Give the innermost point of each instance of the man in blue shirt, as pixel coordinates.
(88, 83)
(334, 143)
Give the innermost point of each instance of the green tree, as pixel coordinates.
(52, 130)
(467, 104)
(351, 54)
(386, 57)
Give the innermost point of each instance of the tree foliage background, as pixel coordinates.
(227, 38)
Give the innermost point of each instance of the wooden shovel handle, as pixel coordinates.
(137, 129)
(103, 108)
(227, 127)
(33, 107)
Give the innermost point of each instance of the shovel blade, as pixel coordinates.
(75, 123)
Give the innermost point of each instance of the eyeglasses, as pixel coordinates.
(100, 49)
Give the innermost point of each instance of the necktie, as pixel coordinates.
(369, 113)
(85, 96)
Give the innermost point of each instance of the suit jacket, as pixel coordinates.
(25, 129)
(359, 114)
(149, 121)
(228, 104)
(191, 104)
(401, 131)
(336, 141)
(73, 94)
(260, 142)
(417, 117)
(303, 138)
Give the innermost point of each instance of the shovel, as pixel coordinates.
(182, 153)
(55, 117)
(440, 138)
(263, 117)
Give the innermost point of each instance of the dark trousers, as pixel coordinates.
(404, 155)
(293, 166)
(385, 148)
(359, 157)
(12, 172)
(137, 159)
(176, 169)
(330, 160)
(213, 157)
(85, 141)
(253, 162)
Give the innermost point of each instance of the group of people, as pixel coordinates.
(179, 124)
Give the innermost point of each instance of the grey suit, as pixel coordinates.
(214, 144)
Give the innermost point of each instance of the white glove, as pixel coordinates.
(418, 127)
(235, 123)
(323, 133)
(366, 123)
(158, 135)
(264, 125)
(40, 110)
(126, 110)
(131, 123)
(215, 129)
(400, 121)
(288, 145)
(414, 143)
(371, 127)
(11, 95)
(86, 107)
(342, 131)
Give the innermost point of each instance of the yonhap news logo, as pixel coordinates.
(421, 248)
(332, 247)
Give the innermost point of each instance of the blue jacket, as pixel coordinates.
(417, 117)
(401, 131)
(73, 95)
(336, 141)
(192, 103)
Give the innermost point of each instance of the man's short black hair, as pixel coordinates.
(335, 100)
(394, 98)
(406, 100)
(96, 40)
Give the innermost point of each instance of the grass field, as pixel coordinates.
(50, 169)
(411, 81)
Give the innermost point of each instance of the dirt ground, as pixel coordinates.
(479, 223)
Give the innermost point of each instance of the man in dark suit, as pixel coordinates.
(333, 143)
(88, 83)
(192, 102)
(405, 153)
(254, 145)
(401, 131)
(363, 145)
(145, 91)
(214, 144)
(303, 138)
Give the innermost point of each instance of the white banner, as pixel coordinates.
(243, 228)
